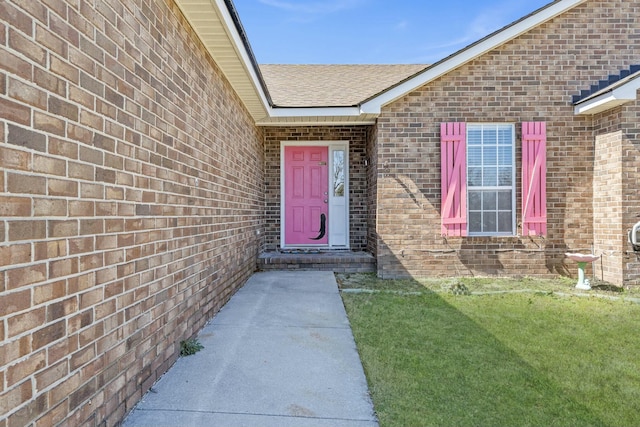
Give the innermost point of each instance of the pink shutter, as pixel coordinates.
(453, 150)
(534, 179)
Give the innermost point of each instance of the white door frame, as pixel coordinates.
(338, 206)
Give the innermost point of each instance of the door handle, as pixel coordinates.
(326, 201)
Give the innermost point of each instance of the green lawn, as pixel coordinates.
(497, 357)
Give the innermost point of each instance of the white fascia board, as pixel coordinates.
(315, 112)
(239, 46)
(598, 104)
(316, 121)
(374, 105)
(618, 96)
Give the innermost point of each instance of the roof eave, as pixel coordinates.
(230, 50)
(314, 116)
(610, 99)
(615, 96)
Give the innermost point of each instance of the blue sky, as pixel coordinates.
(371, 31)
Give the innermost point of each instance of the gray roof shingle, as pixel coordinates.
(331, 85)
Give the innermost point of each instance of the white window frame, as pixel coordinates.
(474, 126)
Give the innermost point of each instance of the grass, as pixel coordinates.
(497, 357)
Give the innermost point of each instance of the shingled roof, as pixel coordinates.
(331, 85)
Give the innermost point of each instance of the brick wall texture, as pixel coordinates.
(616, 201)
(630, 188)
(531, 78)
(131, 200)
(371, 165)
(607, 204)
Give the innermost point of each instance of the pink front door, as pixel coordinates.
(306, 184)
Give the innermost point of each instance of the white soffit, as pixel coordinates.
(214, 25)
(310, 116)
(614, 97)
(374, 105)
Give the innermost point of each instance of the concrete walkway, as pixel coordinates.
(280, 353)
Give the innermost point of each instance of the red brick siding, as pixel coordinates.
(358, 197)
(131, 198)
(531, 78)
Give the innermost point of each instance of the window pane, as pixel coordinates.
(338, 173)
(505, 135)
(475, 201)
(475, 222)
(489, 222)
(490, 156)
(490, 177)
(489, 202)
(505, 222)
(504, 201)
(490, 134)
(474, 156)
(474, 177)
(504, 176)
(474, 135)
(505, 156)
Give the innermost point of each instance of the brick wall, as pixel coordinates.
(630, 187)
(616, 200)
(358, 190)
(608, 232)
(131, 195)
(371, 159)
(531, 78)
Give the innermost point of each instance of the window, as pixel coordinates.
(338, 173)
(478, 179)
(490, 179)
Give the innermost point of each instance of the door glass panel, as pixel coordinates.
(338, 173)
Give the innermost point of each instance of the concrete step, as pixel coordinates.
(338, 261)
